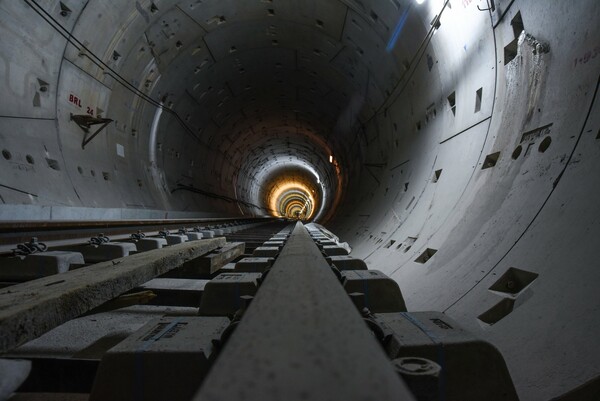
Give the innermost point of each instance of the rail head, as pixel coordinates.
(302, 338)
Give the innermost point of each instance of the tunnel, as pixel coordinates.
(453, 144)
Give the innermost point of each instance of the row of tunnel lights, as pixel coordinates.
(295, 200)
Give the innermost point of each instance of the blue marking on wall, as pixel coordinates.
(397, 31)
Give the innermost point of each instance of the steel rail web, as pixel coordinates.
(302, 338)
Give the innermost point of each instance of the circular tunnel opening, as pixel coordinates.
(287, 171)
(293, 192)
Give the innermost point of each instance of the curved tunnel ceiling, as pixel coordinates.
(265, 82)
(453, 144)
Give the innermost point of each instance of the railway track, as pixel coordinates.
(60, 233)
(263, 307)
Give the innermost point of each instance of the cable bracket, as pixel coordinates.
(85, 122)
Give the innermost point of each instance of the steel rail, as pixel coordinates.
(59, 233)
(302, 338)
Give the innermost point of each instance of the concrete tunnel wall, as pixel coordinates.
(461, 153)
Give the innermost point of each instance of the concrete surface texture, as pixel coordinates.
(454, 145)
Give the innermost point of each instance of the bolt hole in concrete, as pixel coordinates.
(436, 175)
(545, 144)
(6, 154)
(513, 281)
(478, 96)
(490, 160)
(426, 255)
(452, 103)
(79, 169)
(408, 242)
(93, 173)
(517, 152)
(510, 51)
(53, 164)
(517, 25)
(29, 159)
(498, 311)
(36, 100)
(43, 85)
(64, 10)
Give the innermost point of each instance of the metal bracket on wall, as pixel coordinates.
(85, 122)
(491, 7)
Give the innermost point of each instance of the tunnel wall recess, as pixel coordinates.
(457, 151)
